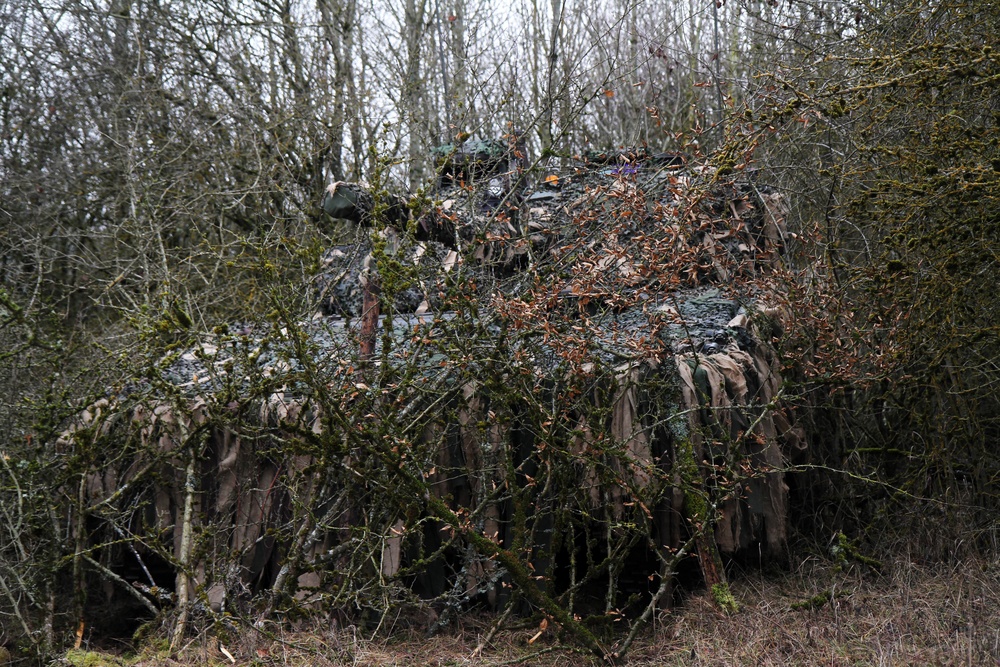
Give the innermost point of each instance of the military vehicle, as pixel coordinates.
(569, 371)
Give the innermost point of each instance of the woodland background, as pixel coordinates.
(161, 167)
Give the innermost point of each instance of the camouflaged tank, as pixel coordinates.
(646, 263)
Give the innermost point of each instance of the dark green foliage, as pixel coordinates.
(926, 203)
(892, 141)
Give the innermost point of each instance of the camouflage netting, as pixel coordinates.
(572, 390)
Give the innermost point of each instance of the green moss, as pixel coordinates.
(697, 507)
(844, 552)
(724, 598)
(815, 602)
(81, 658)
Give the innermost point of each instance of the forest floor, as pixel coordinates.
(815, 614)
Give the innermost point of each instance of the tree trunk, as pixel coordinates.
(414, 92)
(184, 557)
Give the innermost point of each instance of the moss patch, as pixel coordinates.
(81, 658)
(724, 598)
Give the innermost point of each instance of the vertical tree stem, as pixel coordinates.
(184, 558)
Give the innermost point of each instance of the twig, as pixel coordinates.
(16, 607)
(669, 570)
(496, 626)
(124, 584)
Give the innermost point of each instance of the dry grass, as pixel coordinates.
(913, 616)
(945, 615)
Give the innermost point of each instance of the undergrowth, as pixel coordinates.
(908, 614)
